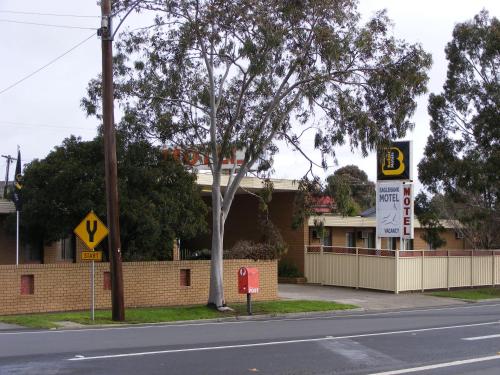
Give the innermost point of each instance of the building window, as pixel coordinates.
(323, 235)
(369, 240)
(67, 248)
(350, 239)
(27, 284)
(185, 277)
(408, 244)
(327, 237)
(32, 253)
(392, 243)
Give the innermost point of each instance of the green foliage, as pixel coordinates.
(247, 74)
(352, 191)
(242, 72)
(462, 155)
(159, 200)
(428, 215)
(470, 294)
(288, 269)
(305, 198)
(252, 250)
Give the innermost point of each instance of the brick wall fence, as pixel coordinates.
(64, 287)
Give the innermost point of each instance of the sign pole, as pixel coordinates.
(17, 237)
(249, 303)
(91, 231)
(93, 291)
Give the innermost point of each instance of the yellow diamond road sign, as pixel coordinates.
(91, 230)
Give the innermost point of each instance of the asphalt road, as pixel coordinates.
(450, 340)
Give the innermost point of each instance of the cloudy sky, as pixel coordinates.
(43, 109)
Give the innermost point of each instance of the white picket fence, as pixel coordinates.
(399, 271)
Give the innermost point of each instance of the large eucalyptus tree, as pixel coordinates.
(462, 154)
(223, 74)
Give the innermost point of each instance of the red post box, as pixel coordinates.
(248, 280)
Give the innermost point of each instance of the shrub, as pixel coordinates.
(287, 269)
(252, 250)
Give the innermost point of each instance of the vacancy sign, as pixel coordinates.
(91, 230)
(389, 209)
(395, 209)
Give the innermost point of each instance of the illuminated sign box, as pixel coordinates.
(395, 162)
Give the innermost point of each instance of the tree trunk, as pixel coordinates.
(216, 294)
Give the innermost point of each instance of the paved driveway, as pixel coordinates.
(366, 299)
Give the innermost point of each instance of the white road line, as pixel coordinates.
(270, 343)
(82, 358)
(439, 365)
(481, 337)
(173, 325)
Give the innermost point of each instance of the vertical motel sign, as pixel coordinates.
(394, 201)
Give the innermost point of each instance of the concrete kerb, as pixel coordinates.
(67, 325)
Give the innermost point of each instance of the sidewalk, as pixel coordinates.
(366, 299)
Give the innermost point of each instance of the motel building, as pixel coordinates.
(336, 233)
(341, 251)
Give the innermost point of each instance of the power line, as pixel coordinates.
(48, 14)
(46, 65)
(49, 25)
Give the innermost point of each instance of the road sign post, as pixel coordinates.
(92, 313)
(91, 231)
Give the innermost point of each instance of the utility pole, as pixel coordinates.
(10, 160)
(115, 257)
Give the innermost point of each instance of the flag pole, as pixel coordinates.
(17, 198)
(17, 238)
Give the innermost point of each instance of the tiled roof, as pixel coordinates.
(205, 180)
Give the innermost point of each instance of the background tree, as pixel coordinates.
(462, 154)
(159, 199)
(352, 191)
(429, 215)
(224, 74)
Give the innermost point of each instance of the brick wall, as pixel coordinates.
(242, 224)
(281, 212)
(66, 286)
(452, 243)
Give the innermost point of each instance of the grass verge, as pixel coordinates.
(171, 314)
(470, 294)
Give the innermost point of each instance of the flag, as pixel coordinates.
(16, 196)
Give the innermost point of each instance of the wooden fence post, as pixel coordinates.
(493, 281)
(472, 268)
(422, 279)
(357, 267)
(448, 269)
(321, 265)
(396, 271)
